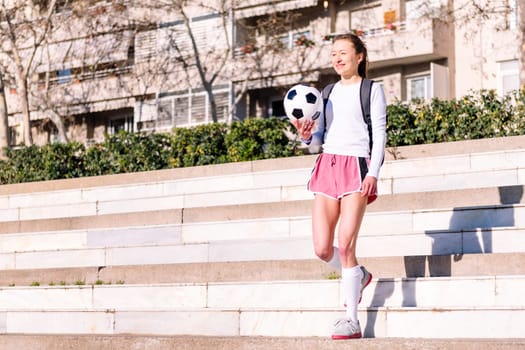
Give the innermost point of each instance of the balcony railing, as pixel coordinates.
(85, 75)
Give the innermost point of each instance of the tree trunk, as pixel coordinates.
(59, 124)
(24, 103)
(213, 105)
(4, 129)
(521, 12)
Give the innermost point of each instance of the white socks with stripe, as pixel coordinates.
(335, 261)
(351, 283)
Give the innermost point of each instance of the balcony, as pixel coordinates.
(253, 8)
(401, 43)
(408, 42)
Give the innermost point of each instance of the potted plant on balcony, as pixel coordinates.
(248, 48)
(391, 26)
(358, 32)
(304, 41)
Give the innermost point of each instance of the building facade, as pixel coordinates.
(107, 66)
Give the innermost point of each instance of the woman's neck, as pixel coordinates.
(353, 79)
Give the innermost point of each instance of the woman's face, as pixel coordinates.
(345, 60)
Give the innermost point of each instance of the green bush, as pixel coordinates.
(128, 152)
(258, 139)
(49, 162)
(132, 152)
(482, 114)
(199, 145)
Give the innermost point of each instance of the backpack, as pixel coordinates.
(364, 94)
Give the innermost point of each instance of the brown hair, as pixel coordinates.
(360, 48)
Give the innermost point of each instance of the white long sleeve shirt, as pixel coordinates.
(346, 132)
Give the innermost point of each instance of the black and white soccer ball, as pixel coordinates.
(303, 102)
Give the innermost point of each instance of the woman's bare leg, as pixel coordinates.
(352, 211)
(325, 214)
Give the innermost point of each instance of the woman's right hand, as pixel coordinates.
(304, 128)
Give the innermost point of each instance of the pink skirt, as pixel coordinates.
(336, 176)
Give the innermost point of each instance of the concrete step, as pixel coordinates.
(491, 264)
(422, 292)
(152, 342)
(394, 202)
(383, 322)
(404, 176)
(441, 242)
(446, 223)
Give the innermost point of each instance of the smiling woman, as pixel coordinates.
(344, 179)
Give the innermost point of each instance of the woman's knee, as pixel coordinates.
(324, 253)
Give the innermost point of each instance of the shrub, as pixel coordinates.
(258, 139)
(128, 152)
(49, 162)
(480, 115)
(199, 145)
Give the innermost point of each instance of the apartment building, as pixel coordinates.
(131, 65)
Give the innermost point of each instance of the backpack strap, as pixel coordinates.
(364, 93)
(326, 93)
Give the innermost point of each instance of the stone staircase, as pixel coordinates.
(221, 257)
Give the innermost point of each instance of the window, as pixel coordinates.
(165, 115)
(416, 9)
(173, 38)
(121, 124)
(508, 77)
(222, 102)
(99, 71)
(64, 76)
(293, 39)
(512, 16)
(15, 135)
(191, 109)
(181, 110)
(419, 87)
(423, 8)
(367, 18)
(278, 108)
(62, 6)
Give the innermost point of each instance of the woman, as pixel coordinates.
(344, 179)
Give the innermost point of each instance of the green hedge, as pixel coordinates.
(482, 114)
(132, 152)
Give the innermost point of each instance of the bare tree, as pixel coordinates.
(521, 12)
(91, 60)
(212, 52)
(207, 55)
(24, 27)
(279, 49)
(4, 128)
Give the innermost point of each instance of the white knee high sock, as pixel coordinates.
(351, 281)
(335, 261)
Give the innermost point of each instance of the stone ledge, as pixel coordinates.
(490, 264)
(151, 342)
(404, 152)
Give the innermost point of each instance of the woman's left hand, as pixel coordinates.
(369, 186)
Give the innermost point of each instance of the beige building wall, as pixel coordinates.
(482, 43)
(413, 44)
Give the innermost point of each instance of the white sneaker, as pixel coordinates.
(345, 328)
(365, 281)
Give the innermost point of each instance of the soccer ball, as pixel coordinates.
(303, 102)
